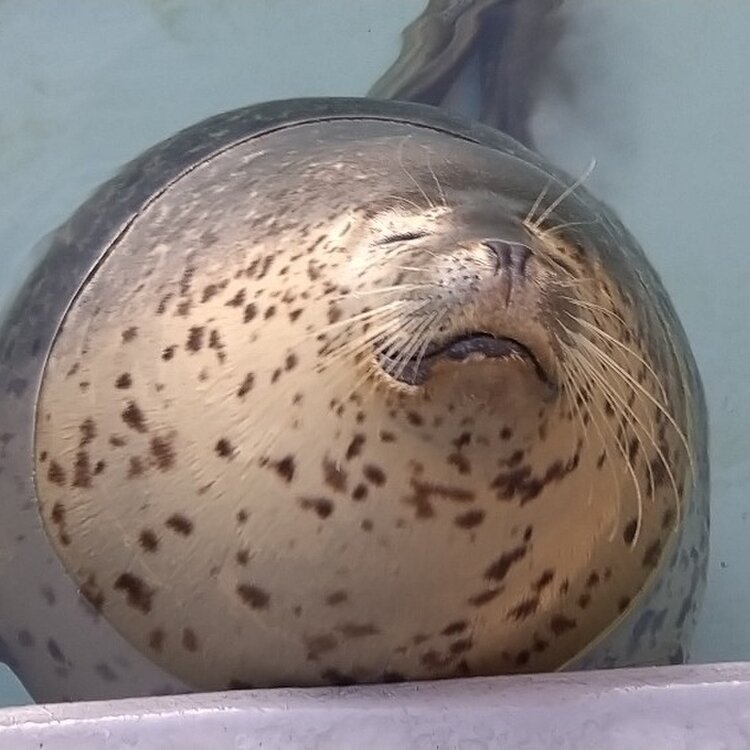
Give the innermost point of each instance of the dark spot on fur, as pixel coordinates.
(479, 600)
(82, 471)
(667, 518)
(434, 661)
(461, 646)
(133, 417)
(461, 463)
(336, 598)
(524, 609)
(366, 525)
(216, 344)
(179, 524)
(241, 516)
(138, 594)
(355, 630)
(318, 645)
(360, 492)
(189, 640)
(242, 557)
(56, 474)
(238, 300)
(469, 520)
(135, 467)
(544, 580)
(336, 678)
(209, 293)
(519, 483)
(254, 596)
(163, 453)
(285, 468)
(250, 312)
(499, 569)
(92, 593)
(623, 604)
(168, 353)
(414, 419)
(25, 639)
(87, 429)
(129, 334)
(387, 437)
(560, 624)
(515, 458)
(355, 447)
(652, 554)
(105, 672)
(156, 640)
(374, 474)
(148, 540)
(592, 580)
(540, 645)
(49, 595)
(334, 476)
(322, 506)
(195, 338)
(124, 381)
(628, 533)
(455, 627)
(55, 651)
(583, 600)
(224, 448)
(425, 491)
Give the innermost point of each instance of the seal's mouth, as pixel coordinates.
(472, 345)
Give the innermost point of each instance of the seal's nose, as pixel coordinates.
(509, 258)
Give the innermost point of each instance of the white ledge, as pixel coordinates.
(665, 707)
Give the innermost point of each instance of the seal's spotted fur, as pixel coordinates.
(235, 465)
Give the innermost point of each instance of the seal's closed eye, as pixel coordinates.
(401, 237)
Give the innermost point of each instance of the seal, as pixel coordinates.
(339, 391)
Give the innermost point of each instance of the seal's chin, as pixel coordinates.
(474, 345)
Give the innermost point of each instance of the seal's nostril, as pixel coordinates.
(520, 255)
(509, 257)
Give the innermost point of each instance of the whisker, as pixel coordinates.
(613, 340)
(609, 393)
(400, 153)
(565, 194)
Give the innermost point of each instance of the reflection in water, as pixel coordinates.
(479, 58)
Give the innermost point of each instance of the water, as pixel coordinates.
(654, 91)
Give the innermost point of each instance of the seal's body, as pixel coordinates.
(332, 391)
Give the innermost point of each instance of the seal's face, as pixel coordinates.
(355, 403)
(468, 287)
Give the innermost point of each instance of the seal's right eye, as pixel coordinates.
(401, 237)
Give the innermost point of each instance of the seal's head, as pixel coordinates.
(364, 399)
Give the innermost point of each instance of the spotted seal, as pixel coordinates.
(335, 391)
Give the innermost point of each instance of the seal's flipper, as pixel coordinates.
(498, 48)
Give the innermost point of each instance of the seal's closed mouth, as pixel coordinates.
(475, 345)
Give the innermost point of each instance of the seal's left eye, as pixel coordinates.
(401, 237)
